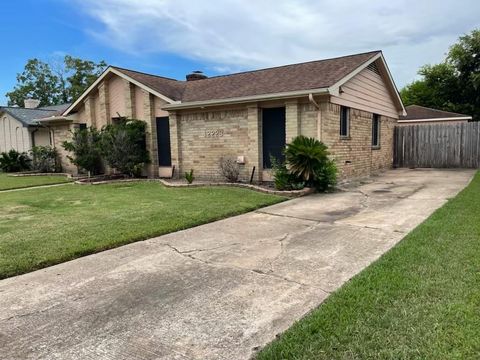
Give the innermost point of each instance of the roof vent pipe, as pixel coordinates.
(196, 75)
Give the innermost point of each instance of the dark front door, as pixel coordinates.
(273, 135)
(163, 141)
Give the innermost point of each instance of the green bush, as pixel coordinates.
(283, 179)
(85, 146)
(189, 176)
(124, 146)
(44, 159)
(326, 176)
(306, 163)
(304, 156)
(14, 161)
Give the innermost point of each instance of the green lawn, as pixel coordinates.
(421, 300)
(41, 227)
(18, 182)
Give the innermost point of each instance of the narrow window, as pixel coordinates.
(376, 131)
(344, 122)
(82, 126)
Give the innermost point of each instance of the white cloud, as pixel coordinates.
(239, 34)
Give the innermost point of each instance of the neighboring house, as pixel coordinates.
(19, 129)
(350, 103)
(421, 115)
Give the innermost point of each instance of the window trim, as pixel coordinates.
(347, 111)
(377, 118)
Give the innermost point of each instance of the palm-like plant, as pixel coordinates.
(304, 156)
(13, 161)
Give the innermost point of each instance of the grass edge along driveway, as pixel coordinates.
(47, 226)
(8, 182)
(420, 300)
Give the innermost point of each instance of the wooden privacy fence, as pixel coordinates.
(437, 146)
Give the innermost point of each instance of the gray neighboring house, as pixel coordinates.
(19, 128)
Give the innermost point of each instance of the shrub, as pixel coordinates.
(189, 176)
(283, 179)
(304, 156)
(124, 146)
(229, 169)
(14, 161)
(44, 159)
(306, 160)
(85, 146)
(326, 176)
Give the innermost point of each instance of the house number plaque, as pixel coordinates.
(214, 133)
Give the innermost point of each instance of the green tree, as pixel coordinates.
(438, 88)
(85, 148)
(36, 81)
(80, 74)
(124, 146)
(453, 85)
(54, 84)
(465, 57)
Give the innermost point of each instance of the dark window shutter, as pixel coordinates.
(273, 135)
(163, 141)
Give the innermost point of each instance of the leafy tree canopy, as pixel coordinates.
(54, 83)
(453, 85)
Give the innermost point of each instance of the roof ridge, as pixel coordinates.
(23, 108)
(144, 73)
(292, 64)
(255, 70)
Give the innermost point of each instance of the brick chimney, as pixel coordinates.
(196, 75)
(31, 103)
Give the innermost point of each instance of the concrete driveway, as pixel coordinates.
(218, 291)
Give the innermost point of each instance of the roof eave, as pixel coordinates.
(458, 118)
(54, 119)
(246, 99)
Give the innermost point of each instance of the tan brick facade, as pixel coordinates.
(61, 133)
(354, 156)
(200, 137)
(206, 136)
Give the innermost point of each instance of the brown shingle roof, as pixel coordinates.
(303, 76)
(171, 88)
(417, 112)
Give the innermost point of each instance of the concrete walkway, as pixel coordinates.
(221, 290)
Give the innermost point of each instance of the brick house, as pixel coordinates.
(350, 103)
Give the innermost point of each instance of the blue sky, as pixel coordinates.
(174, 37)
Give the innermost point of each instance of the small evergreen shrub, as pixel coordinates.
(14, 161)
(306, 160)
(44, 159)
(229, 169)
(189, 176)
(326, 176)
(124, 146)
(85, 148)
(283, 179)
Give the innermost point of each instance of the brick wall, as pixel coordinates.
(354, 156)
(61, 133)
(206, 136)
